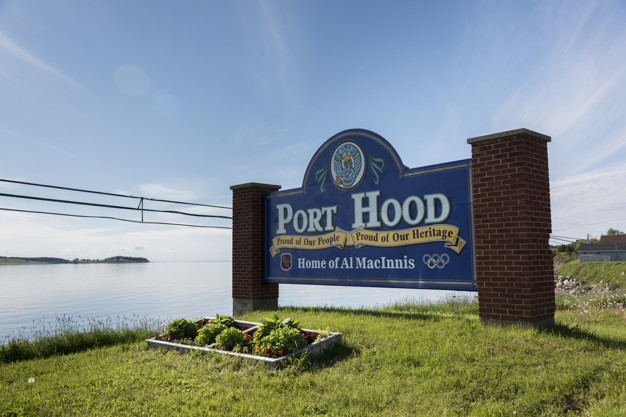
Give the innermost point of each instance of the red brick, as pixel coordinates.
(512, 219)
(248, 245)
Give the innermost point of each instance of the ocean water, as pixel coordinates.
(38, 297)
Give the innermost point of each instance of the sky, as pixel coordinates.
(181, 100)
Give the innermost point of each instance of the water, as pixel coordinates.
(33, 296)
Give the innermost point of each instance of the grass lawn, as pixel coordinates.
(405, 360)
(612, 273)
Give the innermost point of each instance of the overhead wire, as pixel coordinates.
(139, 208)
(113, 194)
(114, 218)
(567, 238)
(84, 203)
(561, 240)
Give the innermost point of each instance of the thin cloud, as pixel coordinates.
(576, 92)
(275, 39)
(274, 30)
(589, 203)
(13, 49)
(164, 192)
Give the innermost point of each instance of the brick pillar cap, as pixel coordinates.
(269, 187)
(495, 136)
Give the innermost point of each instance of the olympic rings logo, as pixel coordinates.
(436, 261)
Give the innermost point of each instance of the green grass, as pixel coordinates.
(612, 299)
(22, 349)
(612, 273)
(564, 257)
(415, 360)
(67, 336)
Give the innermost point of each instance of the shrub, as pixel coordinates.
(208, 333)
(227, 321)
(17, 350)
(267, 326)
(280, 341)
(181, 329)
(230, 338)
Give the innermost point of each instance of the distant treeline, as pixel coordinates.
(47, 260)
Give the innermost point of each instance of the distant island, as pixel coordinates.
(14, 260)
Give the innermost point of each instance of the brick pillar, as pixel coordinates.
(512, 219)
(249, 291)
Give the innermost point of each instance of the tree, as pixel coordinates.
(613, 232)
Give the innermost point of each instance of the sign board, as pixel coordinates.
(362, 218)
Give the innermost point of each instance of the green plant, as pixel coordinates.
(230, 338)
(269, 325)
(201, 322)
(181, 329)
(280, 341)
(277, 337)
(209, 333)
(225, 320)
(322, 334)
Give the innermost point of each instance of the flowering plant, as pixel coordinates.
(229, 338)
(227, 321)
(310, 337)
(273, 337)
(200, 323)
(269, 325)
(181, 329)
(208, 333)
(280, 341)
(162, 336)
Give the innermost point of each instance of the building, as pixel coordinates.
(610, 249)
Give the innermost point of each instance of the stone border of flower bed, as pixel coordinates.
(313, 350)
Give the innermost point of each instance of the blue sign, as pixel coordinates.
(362, 218)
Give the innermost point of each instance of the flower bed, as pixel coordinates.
(272, 341)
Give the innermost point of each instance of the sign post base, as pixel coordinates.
(249, 291)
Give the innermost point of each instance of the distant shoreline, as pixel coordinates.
(16, 260)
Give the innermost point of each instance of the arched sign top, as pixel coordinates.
(351, 158)
(362, 218)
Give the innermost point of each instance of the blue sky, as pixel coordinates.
(182, 100)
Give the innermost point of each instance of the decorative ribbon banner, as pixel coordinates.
(335, 239)
(413, 236)
(361, 237)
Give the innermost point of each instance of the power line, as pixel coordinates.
(560, 240)
(114, 218)
(113, 194)
(139, 208)
(568, 238)
(83, 203)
